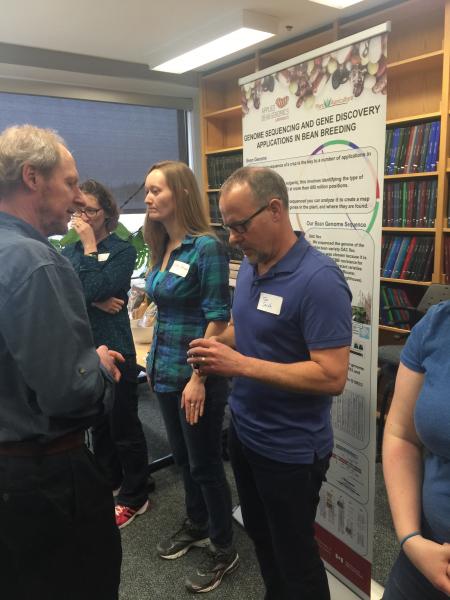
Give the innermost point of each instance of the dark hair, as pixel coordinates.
(106, 201)
(263, 182)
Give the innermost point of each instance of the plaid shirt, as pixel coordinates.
(186, 304)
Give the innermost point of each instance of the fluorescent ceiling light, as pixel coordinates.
(238, 31)
(337, 3)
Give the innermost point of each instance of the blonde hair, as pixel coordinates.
(23, 144)
(190, 210)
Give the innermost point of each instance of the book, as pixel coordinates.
(409, 254)
(397, 268)
(391, 257)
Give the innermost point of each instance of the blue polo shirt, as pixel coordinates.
(427, 352)
(315, 314)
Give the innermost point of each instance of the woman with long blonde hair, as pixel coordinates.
(188, 281)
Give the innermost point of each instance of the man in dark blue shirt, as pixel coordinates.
(291, 332)
(58, 537)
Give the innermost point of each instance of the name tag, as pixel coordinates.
(270, 303)
(103, 257)
(179, 268)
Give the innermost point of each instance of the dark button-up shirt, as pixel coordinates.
(51, 382)
(198, 292)
(103, 277)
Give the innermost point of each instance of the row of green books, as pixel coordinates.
(233, 252)
(410, 203)
(393, 304)
(407, 257)
(214, 212)
(412, 149)
(221, 166)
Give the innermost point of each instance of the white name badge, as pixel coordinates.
(270, 303)
(103, 257)
(179, 268)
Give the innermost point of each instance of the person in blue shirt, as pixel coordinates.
(287, 349)
(416, 462)
(189, 283)
(104, 263)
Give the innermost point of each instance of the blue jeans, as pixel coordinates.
(279, 503)
(405, 582)
(119, 442)
(197, 451)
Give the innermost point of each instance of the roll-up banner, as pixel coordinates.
(319, 121)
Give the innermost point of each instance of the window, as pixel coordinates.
(112, 142)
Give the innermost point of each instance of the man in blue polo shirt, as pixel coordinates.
(287, 349)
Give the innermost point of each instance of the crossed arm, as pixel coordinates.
(403, 473)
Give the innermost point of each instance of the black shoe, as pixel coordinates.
(209, 574)
(186, 537)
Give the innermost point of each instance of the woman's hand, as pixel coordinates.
(111, 305)
(432, 560)
(193, 399)
(85, 233)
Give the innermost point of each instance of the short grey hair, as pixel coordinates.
(263, 182)
(21, 144)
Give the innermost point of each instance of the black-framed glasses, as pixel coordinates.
(242, 226)
(89, 212)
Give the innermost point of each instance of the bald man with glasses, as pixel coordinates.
(287, 350)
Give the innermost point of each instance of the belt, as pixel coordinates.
(69, 441)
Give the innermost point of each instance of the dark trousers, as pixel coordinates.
(197, 450)
(279, 503)
(119, 442)
(405, 582)
(58, 536)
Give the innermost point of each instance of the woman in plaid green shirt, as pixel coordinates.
(189, 284)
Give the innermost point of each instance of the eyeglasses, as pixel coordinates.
(242, 226)
(89, 212)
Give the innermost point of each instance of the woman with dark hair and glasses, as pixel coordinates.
(104, 264)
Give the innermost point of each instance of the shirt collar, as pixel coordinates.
(21, 226)
(289, 262)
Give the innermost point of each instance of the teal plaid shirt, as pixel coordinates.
(186, 304)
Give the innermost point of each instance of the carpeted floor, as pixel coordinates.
(147, 577)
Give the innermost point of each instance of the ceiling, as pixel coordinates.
(130, 31)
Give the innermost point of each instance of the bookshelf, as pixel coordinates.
(418, 94)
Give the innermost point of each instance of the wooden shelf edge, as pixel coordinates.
(407, 281)
(409, 229)
(414, 175)
(224, 113)
(429, 56)
(224, 150)
(412, 118)
(393, 329)
(446, 229)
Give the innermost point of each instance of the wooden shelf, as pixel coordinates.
(394, 329)
(409, 229)
(212, 190)
(446, 229)
(410, 175)
(430, 60)
(223, 150)
(414, 118)
(407, 281)
(225, 113)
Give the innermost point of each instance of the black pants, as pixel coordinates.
(58, 536)
(119, 442)
(279, 503)
(197, 450)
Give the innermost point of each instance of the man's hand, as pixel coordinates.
(108, 358)
(111, 305)
(208, 356)
(85, 233)
(432, 560)
(193, 399)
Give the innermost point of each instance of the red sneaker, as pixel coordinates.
(126, 514)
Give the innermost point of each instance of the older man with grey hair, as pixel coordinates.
(58, 537)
